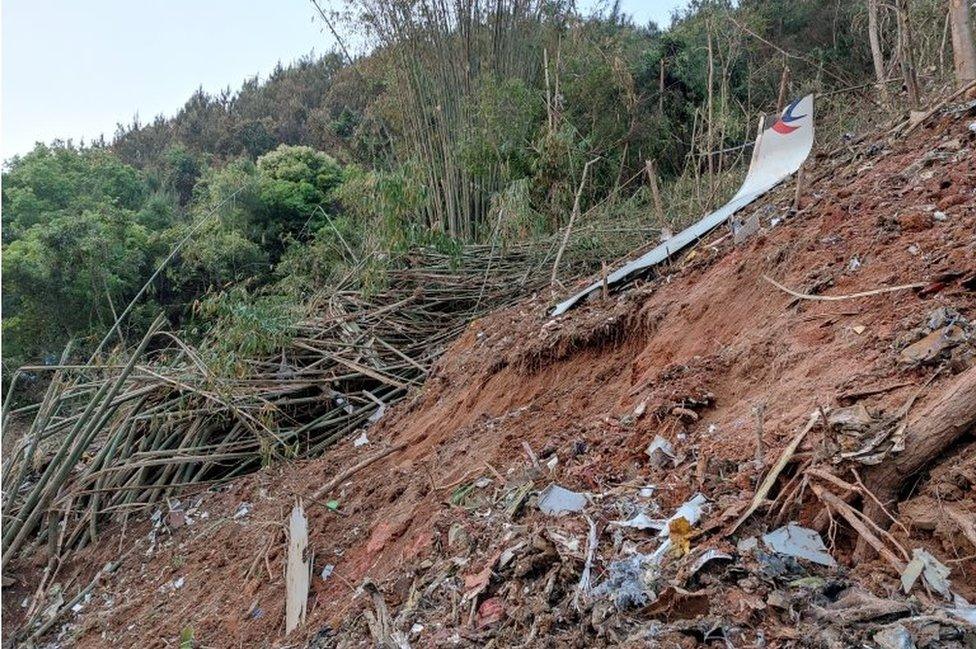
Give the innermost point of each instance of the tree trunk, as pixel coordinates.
(906, 55)
(963, 48)
(876, 55)
(928, 435)
(783, 83)
(660, 89)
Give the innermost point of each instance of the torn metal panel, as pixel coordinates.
(779, 151)
(555, 500)
(800, 542)
(298, 570)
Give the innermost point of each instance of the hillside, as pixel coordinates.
(284, 369)
(440, 541)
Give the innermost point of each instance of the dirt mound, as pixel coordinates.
(713, 361)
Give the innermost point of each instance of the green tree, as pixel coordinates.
(295, 185)
(68, 276)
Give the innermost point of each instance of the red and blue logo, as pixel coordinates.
(782, 125)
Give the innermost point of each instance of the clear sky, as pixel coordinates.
(74, 69)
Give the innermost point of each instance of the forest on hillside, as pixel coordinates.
(480, 124)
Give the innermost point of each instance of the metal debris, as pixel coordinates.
(626, 583)
(555, 501)
(931, 569)
(297, 570)
(799, 542)
(691, 511)
(742, 229)
(895, 636)
(661, 452)
(931, 346)
(707, 556)
(851, 418)
(642, 521)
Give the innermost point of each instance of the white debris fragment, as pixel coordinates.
(934, 572)
(747, 544)
(555, 500)
(709, 555)
(800, 542)
(327, 571)
(378, 413)
(962, 609)
(242, 510)
(642, 522)
(640, 409)
(939, 215)
(661, 452)
(298, 569)
(895, 636)
(362, 440)
(691, 511)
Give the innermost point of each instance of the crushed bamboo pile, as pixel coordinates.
(118, 436)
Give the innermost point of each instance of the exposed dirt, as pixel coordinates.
(690, 356)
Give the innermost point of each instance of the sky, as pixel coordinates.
(74, 70)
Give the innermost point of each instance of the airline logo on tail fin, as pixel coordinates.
(782, 125)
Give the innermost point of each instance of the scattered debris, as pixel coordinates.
(963, 610)
(854, 418)
(661, 452)
(931, 569)
(894, 636)
(799, 542)
(626, 583)
(690, 511)
(488, 570)
(931, 347)
(642, 521)
(707, 556)
(742, 229)
(555, 501)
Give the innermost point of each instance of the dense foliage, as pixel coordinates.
(455, 128)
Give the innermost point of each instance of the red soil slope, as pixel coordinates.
(592, 389)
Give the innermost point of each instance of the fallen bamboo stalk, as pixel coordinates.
(767, 484)
(353, 470)
(837, 298)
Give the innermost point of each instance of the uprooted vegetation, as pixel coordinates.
(693, 414)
